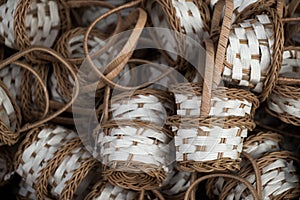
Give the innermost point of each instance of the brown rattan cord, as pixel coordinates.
(262, 162)
(41, 185)
(261, 136)
(177, 25)
(220, 92)
(147, 176)
(208, 78)
(123, 57)
(223, 40)
(237, 178)
(78, 176)
(272, 72)
(42, 84)
(22, 39)
(99, 187)
(8, 136)
(256, 172)
(286, 91)
(18, 55)
(64, 85)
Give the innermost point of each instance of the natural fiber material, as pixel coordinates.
(214, 142)
(70, 45)
(251, 53)
(105, 191)
(134, 142)
(53, 157)
(263, 142)
(183, 16)
(277, 171)
(32, 22)
(176, 184)
(284, 102)
(279, 178)
(10, 120)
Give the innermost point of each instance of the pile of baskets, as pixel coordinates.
(149, 99)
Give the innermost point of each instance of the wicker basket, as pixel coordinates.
(133, 141)
(34, 22)
(253, 58)
(183, 16)
(10, 118)
(212, 142)
(53, 161)
(284, 102)
(70, 45)
(104, 190)
(273, 172)
(6, 165)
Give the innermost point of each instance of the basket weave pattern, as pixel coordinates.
(136, 130)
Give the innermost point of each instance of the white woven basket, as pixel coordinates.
(249, 53)
(183, 16)
(71, 170)
(43, 21)
(284, 101)
(201, 141)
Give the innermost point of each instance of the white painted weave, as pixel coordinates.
(176, 182)
(35, 157)
(11, 77)
(274, 182)
(259, 149)
(40, 27)
(254, 47)
(190, 19)
(290, 64)
(137, 144)
(190, 105)
(211, 144)
(66, 170)
(7, 114)
(280, 104)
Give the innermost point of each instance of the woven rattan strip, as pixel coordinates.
(214, 142)
(103, 191)
(134, 131)
(187, 17)
(276, 167)
(10, 120)
(176, 184)
(32, 22)
(252, 58)
(70, 45)
(54, 156)
(279, 178)
(284, 100)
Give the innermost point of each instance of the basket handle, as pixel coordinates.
(117, 65)
(53, 53)
(223, 41)
(199, 180)
(208, 78)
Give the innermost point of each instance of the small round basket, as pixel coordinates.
(190, 18)
(53, 161)
(254, 53)
(213, 142)
(10, 120)
(33, 22)
(284, 102)
(133, 141)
